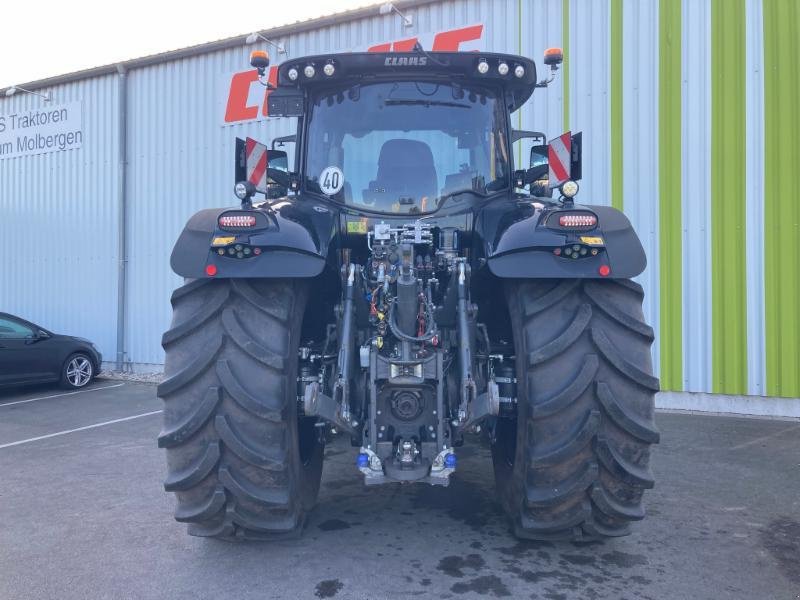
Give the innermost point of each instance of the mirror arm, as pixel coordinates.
(280, 141)
(519, 134)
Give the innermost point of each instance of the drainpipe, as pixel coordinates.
(122, 201)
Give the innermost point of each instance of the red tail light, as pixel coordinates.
(237, 221)
(211, 270)
(577, 220)
(604, 270)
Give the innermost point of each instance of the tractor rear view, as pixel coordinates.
(406, 285)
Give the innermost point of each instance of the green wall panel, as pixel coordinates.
(669, 213)
(728, 192)
(782, 199)
(616, 104)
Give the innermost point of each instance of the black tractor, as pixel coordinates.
(404, 286)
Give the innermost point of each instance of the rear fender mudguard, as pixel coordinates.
(516, 244)
(294, 244)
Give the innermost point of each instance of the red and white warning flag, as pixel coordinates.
(256, 161)
(559, 157)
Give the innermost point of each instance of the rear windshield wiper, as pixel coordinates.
(451, 195)
(425, 103)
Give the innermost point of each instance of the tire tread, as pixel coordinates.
(230, 455)
(588, 409)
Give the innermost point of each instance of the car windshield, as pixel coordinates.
(403, 147)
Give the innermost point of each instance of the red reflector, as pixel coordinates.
(211, 270)
(237, 221)
(577, 220)
(604, 270)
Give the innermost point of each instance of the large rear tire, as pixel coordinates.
(239, 461)
(574, 463)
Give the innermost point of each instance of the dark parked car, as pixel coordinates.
(31, 354)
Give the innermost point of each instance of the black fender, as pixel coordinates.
(292, 236)
(518, 243)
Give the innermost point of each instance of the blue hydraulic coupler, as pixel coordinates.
(362, 460)
(450, 461)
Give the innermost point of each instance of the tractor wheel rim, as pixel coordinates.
(79, 371)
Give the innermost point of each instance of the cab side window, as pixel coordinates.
(11, 330)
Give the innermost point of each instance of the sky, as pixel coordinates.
(52, 37)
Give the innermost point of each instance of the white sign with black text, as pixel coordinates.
(49, 128)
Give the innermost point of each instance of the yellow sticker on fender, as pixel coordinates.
(223, 241)
(356, 227)
(592, 241)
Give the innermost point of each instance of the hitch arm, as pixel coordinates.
(341, 387)
(336, 409)
(467, 390)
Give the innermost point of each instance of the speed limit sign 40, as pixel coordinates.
(331, 180)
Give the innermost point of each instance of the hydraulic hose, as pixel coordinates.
(395, 329)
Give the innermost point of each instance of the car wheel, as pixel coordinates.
(77, 372)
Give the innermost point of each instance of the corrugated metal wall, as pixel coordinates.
(58, 221)
(180, 161)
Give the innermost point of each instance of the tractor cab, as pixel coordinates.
(402, 133)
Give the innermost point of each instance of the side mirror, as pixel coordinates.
(538, 155)
(37, 336)
(277, 174)
(278, 159)
(536, 175)
(539, 172)
(279, 177)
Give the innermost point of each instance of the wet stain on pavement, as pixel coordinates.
(566, 580)
(485, 585)
(578, 559)
(454, 565)
(333, 525)
(781, 538)
(523, 548)
(463, 501)
(623, 559)
(328, 588)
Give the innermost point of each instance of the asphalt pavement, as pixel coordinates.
(83, 515)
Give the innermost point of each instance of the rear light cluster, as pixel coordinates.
(576, 251)
(572, 220)
(577, 220)
(239, 251)
(237, 221)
